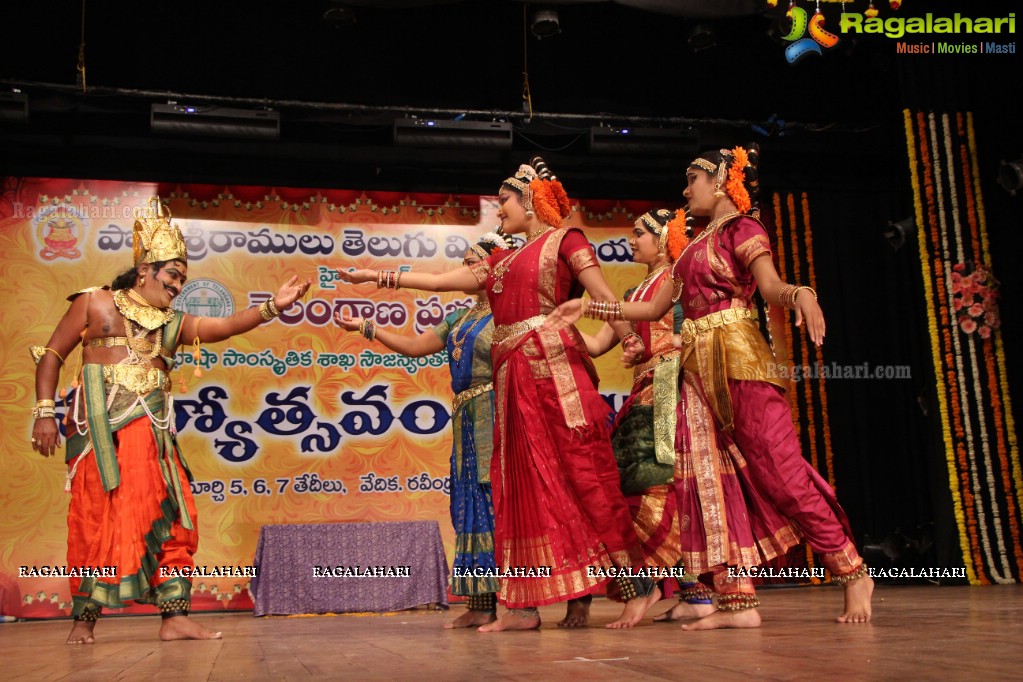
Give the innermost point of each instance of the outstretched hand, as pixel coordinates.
(566, 314)
(808, 309)
(347, 322)
(291, 291)
(356, 276)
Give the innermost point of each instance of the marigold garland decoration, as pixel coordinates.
(793, 245)
(735, 186)
(677, 239)
(545, 204)
(560, 197)
(974, 403)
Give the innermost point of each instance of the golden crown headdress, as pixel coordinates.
(155, 239)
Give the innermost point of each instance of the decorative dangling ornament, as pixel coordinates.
(871, 11)
(197, 354)
(895, 4)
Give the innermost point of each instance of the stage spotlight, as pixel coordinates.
(899, 232)
(1010, 175)
(545, 24)
(701, 37)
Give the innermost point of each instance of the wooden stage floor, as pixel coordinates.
(918, 632)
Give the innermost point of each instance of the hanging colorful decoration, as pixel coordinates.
(793, 247)
(961, 292)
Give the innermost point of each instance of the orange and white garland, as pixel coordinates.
(793, 243)
(972, 388)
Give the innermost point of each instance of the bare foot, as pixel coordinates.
(577, 614)
(857, 600)
(685, 611)
(635, 609)
(471, 619)
(746, 618)
(513, 621)
(182, 627)
(81, 632)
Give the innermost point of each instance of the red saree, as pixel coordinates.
(558, 508)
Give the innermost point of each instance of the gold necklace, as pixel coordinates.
(501, 269)
(637, 295)
(480, 310)
(146, 315)
(711, 227)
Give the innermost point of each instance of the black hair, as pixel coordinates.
(752, 181)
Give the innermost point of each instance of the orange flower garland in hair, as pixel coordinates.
(736, 184)
(561, 196)
(677, 240)
(545, 204)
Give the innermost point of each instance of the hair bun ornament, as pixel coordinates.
(753, 152)
(752, 178)
(543, 171)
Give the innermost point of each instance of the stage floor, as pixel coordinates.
(918, 632)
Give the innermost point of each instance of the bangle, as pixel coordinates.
(44, 409)
(388, 279)
(603, 310)
(268, 310)
(629, 336)
(368, 329)
(795, 293)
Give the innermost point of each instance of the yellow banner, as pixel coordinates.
(294, 422)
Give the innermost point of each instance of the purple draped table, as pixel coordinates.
(345, 567)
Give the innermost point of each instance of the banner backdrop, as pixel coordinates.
(295, 422)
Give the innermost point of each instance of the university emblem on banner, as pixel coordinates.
(205, 298)
(59, 229)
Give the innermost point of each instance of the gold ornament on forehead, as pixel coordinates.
(155, 239)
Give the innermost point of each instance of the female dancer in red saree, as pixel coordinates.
(562, 527)
(745, 493)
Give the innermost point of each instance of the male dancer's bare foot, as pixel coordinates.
(81, 632)
(471, 619)
(513, 620)
(746, 618)
(685, 611)
(182, 627)
(577, 614)
(635, 609)
(857, 600)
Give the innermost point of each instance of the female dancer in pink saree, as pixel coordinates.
(745, 493)
(562, 528)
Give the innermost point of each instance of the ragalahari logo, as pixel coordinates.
(802, 46)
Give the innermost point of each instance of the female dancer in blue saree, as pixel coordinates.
(467, 336)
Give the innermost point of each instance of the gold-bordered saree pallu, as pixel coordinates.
(557, 501)
(558, 506)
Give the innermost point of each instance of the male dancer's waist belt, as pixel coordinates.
(693, 328)
(468, 394)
